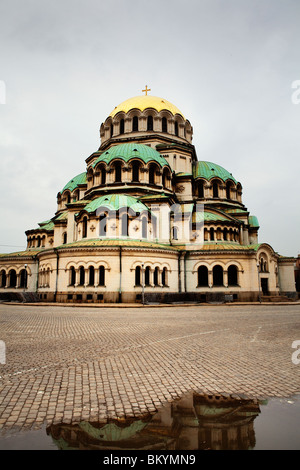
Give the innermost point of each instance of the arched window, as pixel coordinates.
(101, 276)
(118, 173)
(215, 189)
(175, 233)
(201, 189)
(144, 227)
(164, 124)
(176, 128)
(23, 278)
(164, 277)
(3, 278)
(91, 275)
(12, 278)
(103, 176)
(64, 238)
(81, 276)
(155, 276)
(72, 276)
(150, 123)
(124, 225)
(212, 233)
(111, 130)
(135, 172)
(138, 276)
(84, 227)
(147, 276)
(38, 241)
(232, 275)
(165, 178)
(228, 190)
(217, 275)
(68, 198)
(202, 276)
(135, 124)
(122, 126)
(225, 234)
(102, 229)
(152, 170)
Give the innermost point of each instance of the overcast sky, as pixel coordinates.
(228, 65)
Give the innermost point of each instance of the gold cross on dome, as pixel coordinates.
(146, 90)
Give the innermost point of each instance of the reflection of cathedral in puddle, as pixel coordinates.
(191, 423)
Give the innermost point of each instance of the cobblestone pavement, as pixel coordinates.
(67, 364)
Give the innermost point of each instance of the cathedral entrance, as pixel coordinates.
(265, 286)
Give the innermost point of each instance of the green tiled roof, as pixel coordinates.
(209, 217)
(128, 151)
(253, 221)
(74, 182)
(115, 202)
(117, 242)
(209, 170)
(19, 254)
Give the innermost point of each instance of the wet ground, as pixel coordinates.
(194, 422)
(109, 378)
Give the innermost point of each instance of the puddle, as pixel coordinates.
(194, 422)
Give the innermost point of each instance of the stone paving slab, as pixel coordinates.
(68, 365)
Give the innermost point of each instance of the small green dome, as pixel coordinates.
(209, 170)
(128, 151)
(74, 182)
(114, 202)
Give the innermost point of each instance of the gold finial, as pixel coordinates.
(146, 90)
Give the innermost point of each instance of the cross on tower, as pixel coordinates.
(146, 90)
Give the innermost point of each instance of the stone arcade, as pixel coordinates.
(128, 228)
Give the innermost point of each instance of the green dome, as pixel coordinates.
(114, 202)
(209, 170)
(128, 151)
(74, 182)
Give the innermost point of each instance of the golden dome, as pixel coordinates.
(146, 101)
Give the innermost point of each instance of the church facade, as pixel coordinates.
(146, 221)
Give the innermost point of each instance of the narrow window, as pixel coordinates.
(212, 233)
(176, 128)
(225, 234)
(122, 126)
(13, 278)
(200, 189)
(155, 277)
(147, 276)
(135, 172)
(228, 195)
(81, 276)
(84, 227)
(64, 238)
(138, 276)
(215, 189)
(72, 276)
(175, 233)
(101, 276)
(111, 130)
(102, 230)
(152, 174)
(164, 277)
(135, 124)
(3, 278)
(91, 276)
(118, 173)
(150, 123)
(164, 125)
(23, 280)
(103, 176)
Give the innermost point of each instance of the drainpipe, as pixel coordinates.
(120, 286)
(56, 281)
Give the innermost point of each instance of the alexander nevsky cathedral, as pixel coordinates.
(146, 221)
